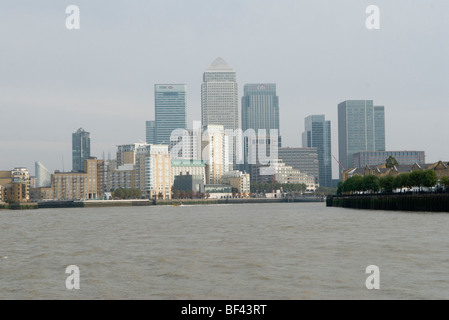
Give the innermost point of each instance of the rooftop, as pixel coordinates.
(219, 64)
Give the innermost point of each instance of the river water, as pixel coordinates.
(254, 251)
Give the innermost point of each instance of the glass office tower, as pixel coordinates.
(80, 149)
(150, 132)
(317, 134)
(361, 127)
(170, 110)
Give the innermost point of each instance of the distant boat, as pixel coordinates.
(177, 205)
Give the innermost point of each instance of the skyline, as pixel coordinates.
(101, 76)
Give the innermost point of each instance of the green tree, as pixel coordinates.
(416, 178)
(340, 188)
(387, 184)
(176, 194)
(391, 162)
(429, 179)
(404, 181)
(118, 193)
(445, 182)
(370, 183)
(325, 191)
(353, 184)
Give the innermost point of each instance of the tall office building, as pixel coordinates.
(361, 127)
(379, 128)
(80, 149)
(150, 132)
(317, 135)
(170, 110)
(219, 96)
(260, 112)
(260, 107)
(219, 100)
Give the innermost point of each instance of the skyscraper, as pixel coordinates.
(361, 127)
(80, 149)
(317, 134)
(170, 110)
(260, 107)
(219, 96)
(219, 100)
(260, 112)
(379, 129)
(150, 132)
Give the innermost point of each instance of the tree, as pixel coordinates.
(387, 184)
(118, 193)
(416, 178)
(445, 182)
(176, 194)
(340, 188)
(325, 191)
(404, 181)
(391, 162)
(429, 179)
(370, 183)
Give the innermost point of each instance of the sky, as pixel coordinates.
(319, 53)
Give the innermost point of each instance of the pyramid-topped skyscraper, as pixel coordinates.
(219, 96)
(219, 100)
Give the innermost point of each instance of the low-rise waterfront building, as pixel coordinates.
(122, 177)
(194, 183)
(441, 169)
(16, 185)
(279, 172)
(238, 180)
(2, 194)
(218, 191)
(303, 159)
(153, 171)
(188, 167)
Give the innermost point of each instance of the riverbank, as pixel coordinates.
(140, 203)
(432, 202)
(18, 206)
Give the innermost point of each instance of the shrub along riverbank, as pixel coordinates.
(432, 202)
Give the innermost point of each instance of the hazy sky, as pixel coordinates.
(319, 53)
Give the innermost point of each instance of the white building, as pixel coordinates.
(186, 143)
(43, 176)
(282, 173)
(215, 153)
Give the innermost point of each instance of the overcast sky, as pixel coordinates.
(319, 53)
